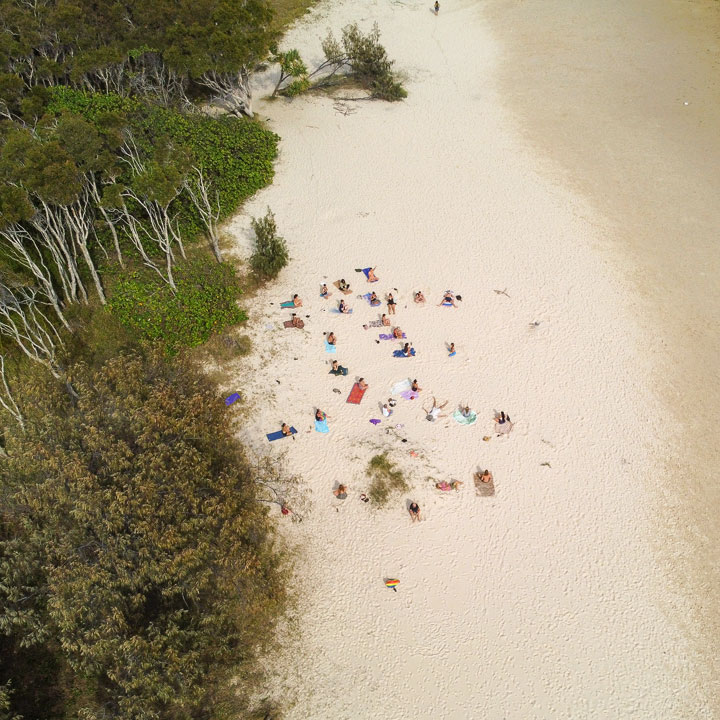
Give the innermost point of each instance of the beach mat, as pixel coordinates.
(389, 337)
(289, 324)
(335, 310)
(321, 426)
(278, 435)
(409, 394)
(399, 353)
(401, 386)
(458, 417)
(356, 395)
(329, 348)
(287, 304)
(337, 285)
(366, 272)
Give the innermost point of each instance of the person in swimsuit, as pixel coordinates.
(362, 384)
(342, 307)
(285, 429)
(434, 412)
(414, 510)
(385, 320)
(391, 304)
(320, 415)
(437, 7)
(406, 350)
(415, 387)
(341, 492)
(486, 476)
(397, 333)
(451, 350)
(448, 299)
(446, 486)
(371, 275)
(297, 322)
(419, 297)
(374, 299)
(502, 419)
(297, 302)
(324, 291)
(331, 339)
(343, 285)
(338, 369)
(386, 411)
(466, 411)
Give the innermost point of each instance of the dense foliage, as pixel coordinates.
(133, 552)
(205, 303)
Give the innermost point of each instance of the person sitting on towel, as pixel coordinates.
(320, 415)
(362, 384)
(448, 299)
(397, 333)
(343, 285)
(374, 299)
(385, 320)
(415, 387)
(331, 339)
(338, 369)
(297, 322)
(406, 351)
(466, 412)
(371, 275)
(285, 429)
(419, 297)
(343, 308)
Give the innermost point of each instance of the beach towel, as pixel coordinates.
(287, 304)
(375, 421)
(329, 348)
(367, 297)
(458, 416)
(337, 285)
(230, 399)
(447, 304)
(375, 323)
(289, 324)
(383, 336)
(453, 353)
(321, 426)
(278, 435)
(340, 371)
(366, 272)
(356, 395)
(399, 353)
(335, 310)
(409, 394)
(401, 386)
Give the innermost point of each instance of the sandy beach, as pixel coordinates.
(551, 598)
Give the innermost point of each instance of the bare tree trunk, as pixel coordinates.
(233, 91)
(8, 401)
(199, 193)
(108, 220)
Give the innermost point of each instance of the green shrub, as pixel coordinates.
(385, 480)
(205, 304)
(270, 255)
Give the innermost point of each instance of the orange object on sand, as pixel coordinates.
(356, 395)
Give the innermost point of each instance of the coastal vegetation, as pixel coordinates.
(140, 574)
(385, 480)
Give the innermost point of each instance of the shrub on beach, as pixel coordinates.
(270, 255)
(385, 479)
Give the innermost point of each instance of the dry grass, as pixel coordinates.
(385, 480)
(287, 11)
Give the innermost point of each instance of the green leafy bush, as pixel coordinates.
(385, 480)
(271, 254)
(205, 304)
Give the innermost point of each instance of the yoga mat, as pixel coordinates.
(278, 435)
(287, 304)
(337, 285)
(399, 353)
(321, 426)
(366, 272)
(329, 348)
(230, 399)
(356, 395)
(401, 386)
(335, 310)
(458, 417)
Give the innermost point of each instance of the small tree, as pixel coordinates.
(271, 254)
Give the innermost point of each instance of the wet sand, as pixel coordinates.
(622, 100)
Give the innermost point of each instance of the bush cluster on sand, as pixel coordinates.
(270, 254)
(385, 479)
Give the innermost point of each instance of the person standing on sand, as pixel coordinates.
(437, 7)
(390, 304)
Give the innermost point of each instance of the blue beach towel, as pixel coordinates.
(287, 304)
(278, 435)
(230, 399)
(321, 426)
(329, 348)
(335, 310)
(399, 353)
(366, 272)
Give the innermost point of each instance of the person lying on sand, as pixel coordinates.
(434, 412)
(342, 285)
(448, 299)
(486, 476)
(419, 297)
(374, 299)
(385, 320)
(297, 302)
(285, 429)
(331, 339)
(414, 510)
(445, 486)
(397, 333)
(324, 291)
(362, 384)
(297, 322)
(415, 387)
(371, 276)
(341, 492)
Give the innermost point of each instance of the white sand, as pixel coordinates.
(542, 601)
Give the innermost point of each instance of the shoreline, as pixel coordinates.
(540, 601)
